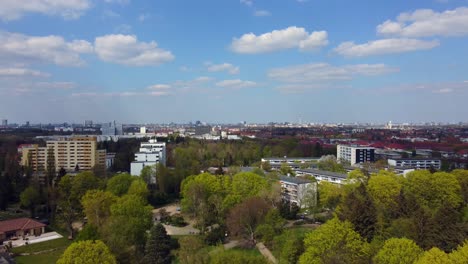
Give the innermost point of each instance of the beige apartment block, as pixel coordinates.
(68, 153)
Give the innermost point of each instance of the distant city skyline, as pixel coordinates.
(235, 60)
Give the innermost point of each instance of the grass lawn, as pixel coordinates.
(48, 257)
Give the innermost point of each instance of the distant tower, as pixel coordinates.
(4, 122)
(389, 125)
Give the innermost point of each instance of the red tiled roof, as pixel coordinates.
(19, 224)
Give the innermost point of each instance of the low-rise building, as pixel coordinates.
(20, 227)
(321, 175)
(299, 191)
(416, 163)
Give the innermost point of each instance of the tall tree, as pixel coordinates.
(158, 247)
(244, 218)
(335, 242)
(30, 198)
(398, 250)
(358, 208)
(96, 206)
(120, 183)
(87, 252)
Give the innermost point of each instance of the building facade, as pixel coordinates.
(149, 154)
(354, 154)
(416, 163)
(321, 175)
(299, 191)
(112, 129)
(68, 153)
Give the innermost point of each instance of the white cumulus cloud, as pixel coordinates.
(127, 50)
(288, 38)
(68, 9)
(237, 83)
(324, 72)
(427, 23)
(21, 72)
(228, 67)
(21, 48)
(384, 46)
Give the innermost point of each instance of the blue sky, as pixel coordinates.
(227, 61)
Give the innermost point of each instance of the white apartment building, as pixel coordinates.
(416, 163)
(321, 175)
(299, 191)
(150, 153)
(355, 154)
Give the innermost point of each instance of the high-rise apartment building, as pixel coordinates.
(150, 153)
(68, 154)
(4, 122)
(355, 154)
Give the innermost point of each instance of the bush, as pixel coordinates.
(175, 220)
(216, 235)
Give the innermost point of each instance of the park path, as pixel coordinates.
(266, 253)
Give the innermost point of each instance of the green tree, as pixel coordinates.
(125, 231)
(70, 191)
(431, 191)
(384, 190)
(120, 183)
(148, 174)
(358, 208)
(87, 252)
(434, 256)
(191, 251)
(330, 194)
(89, 232)
(96, 206)
(30, 198)
(460, 255)
(244, 218)
(335, 242)
(158, 247)
(398, 250)
(201, 196)
(243, 186)
(139, 188)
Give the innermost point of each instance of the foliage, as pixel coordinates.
(398, 250)
(71, 189)
(96, 206)
(29, 198)
(358, 208)
(139, 188)
(236, 257)
(434, 256)
(158, 247)
(335, 242)
(244, 218)
(120, 183)
(125, 230)
(431, 191)
(192, 251)
(89, 232)
(87, 252)
(384, 190)
(460, 255)
(330, 194)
